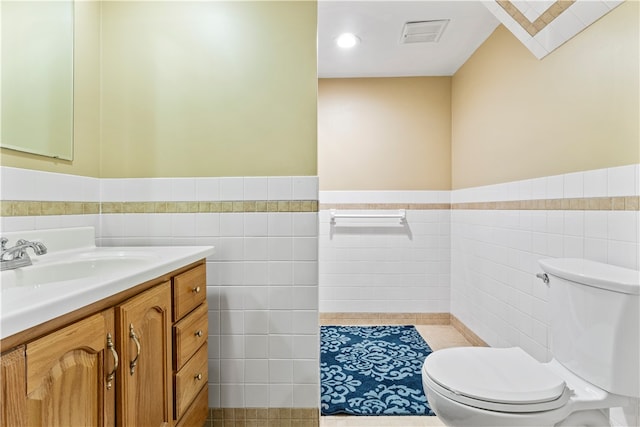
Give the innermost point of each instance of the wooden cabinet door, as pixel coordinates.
(144, 340)
(67, 375)
(13, 384)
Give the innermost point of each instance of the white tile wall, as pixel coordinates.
(25, 184)
(383, 265)
(494, 255)
(262, 283)
(499, 249)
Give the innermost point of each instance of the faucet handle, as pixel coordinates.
(4, 242)
(39, 248)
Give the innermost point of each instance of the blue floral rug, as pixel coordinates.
(372, 370)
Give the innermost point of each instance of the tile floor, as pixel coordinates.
(437, 336)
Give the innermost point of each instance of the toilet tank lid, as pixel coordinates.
(592, 273)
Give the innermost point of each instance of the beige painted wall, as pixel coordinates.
(384, 133)
(208, 89)
(516, 117)
(191, 89)
(86, 159)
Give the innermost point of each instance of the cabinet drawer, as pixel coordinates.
(189, 291)
(190, 380)
(197, 413)
(189, 334)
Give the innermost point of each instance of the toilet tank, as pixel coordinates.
(595, 322)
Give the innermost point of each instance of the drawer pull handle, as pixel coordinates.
(198, 377)
(111, 348)
(196, 290)
(134, 337)
(198, 333)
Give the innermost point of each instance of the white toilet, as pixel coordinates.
(595, 342)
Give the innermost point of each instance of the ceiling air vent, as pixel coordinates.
(423, 31)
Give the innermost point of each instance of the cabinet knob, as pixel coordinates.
(198, 333)
(198, 377)
(196, 290)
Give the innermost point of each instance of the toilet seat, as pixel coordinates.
(497, 379)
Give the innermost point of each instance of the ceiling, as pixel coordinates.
(379, 25)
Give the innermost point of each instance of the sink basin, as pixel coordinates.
(75, 273)
(82, 266)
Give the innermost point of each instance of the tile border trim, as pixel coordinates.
(474, 339)
(9, 208)
(622, 203)
(13, 208)
(276, 417)
(372, 206)
(43, 208)
(547, 17)
(370, 318)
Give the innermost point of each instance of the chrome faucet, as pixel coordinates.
(17, 256)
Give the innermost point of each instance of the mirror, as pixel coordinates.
(36, 84)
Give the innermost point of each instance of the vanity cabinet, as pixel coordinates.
(115, 363)
(67, 375)
(144, 343)
(190, 332)
(13, 388)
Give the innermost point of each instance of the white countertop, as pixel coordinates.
(22, 307)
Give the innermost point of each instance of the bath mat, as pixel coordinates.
(372, 370)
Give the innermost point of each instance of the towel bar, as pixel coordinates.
(401, 214)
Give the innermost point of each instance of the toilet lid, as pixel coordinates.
(500, 375)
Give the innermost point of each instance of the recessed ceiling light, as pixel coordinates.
(347, 40)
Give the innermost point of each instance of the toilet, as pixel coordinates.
(595, 343)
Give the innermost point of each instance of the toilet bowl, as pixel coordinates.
(591, 304)
(480, 386)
